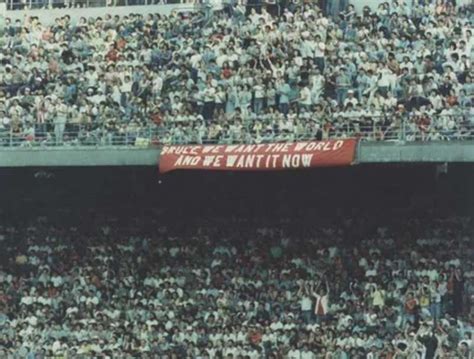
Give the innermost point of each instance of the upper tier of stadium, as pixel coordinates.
(240, 75)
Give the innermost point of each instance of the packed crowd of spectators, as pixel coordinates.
(238, 288)
(400, 70)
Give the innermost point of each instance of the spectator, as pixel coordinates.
(282, 291)
(125, 68)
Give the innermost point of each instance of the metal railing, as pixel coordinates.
(403, 129)
(65, 4)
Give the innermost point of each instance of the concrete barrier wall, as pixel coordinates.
(366, 153)
(416, 152)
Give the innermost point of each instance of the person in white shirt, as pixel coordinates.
(305, 99)
(209, 101)
(60, 120)
(305, 301)
(321, 296)
(259, 96)
(294, 353)
(351, 99)
(319, 53)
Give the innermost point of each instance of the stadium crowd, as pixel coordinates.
(238, 288)
(240, 75)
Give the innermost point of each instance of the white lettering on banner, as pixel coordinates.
(179, 161)
(314, 146)
(187, 161)
(212, 161)
(327, 147)
(250, 148)
(181, 150)
(318, 146)
(258, 156)
(275, 159)
(282, 147)
(211, 149)
(244, 148)
(300, 146)
(249, 160)
(230, 148)
(231, 161)
(267, 148)
(217, 162)
(244, 161)
(267, 162)
(270, 147)
(338, 144)
(207, 149)
(277, 147)
(295, 161)
(240, 162)
(208, 160)
(306, 160)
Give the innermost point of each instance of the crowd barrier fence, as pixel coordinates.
(406, 129)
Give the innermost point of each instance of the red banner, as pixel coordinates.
(261, 157)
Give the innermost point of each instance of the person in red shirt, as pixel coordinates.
(255, 336)
(112, 55)
(410, 308)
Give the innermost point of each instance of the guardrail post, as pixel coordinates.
(403, 133)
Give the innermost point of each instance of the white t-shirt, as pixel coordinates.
(259, 91)
(294, 354)
(305, 303)
(319, 49)
(305, 96)
(209, 94)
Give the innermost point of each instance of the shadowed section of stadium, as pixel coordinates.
(141, 187)
(364, 259)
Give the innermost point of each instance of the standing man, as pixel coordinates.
(304, 101)
(322, 302)
(209, 99)
(343, 83)
(60, 121)
(283, 91)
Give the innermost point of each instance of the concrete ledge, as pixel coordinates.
(456, 151)
(368, 152)
(79, 157)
